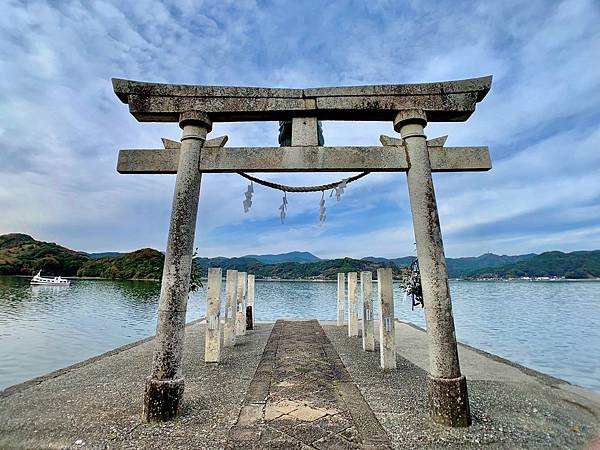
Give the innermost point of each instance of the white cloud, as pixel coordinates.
(61, 125)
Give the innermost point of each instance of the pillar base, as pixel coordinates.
(449, 401)
(162, 399)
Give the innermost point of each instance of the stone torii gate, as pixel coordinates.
(409, 106)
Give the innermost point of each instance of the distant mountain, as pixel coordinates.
(284, 257)
(577, 265)
(460, 267)
(319, 270)
(375, 259)
(20, 254)
(105, 254)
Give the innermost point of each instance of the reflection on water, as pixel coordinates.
(550, 326)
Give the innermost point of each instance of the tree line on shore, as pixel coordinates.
(20, 254)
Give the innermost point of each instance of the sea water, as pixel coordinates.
(551, 326)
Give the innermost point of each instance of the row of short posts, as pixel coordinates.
(239, 311)
(448, 401)
(387, 334)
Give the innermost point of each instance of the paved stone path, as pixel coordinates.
(302, 396)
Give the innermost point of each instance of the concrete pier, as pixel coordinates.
(352, 304)
(368, 324)
(230, 308)
(341, 298)
(212, 347)
(387, 334)
(447, 387)
(164, 386)
(240, 317)
(95, 403)
(250, 300)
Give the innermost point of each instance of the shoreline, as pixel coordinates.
(308, 280)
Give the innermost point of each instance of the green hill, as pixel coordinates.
(576, 265)
(20, 254)
(146, 263)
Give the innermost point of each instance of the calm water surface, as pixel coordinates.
(553, 327)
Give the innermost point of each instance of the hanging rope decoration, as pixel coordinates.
(283, 208)
(322, 210)
(337, 187)
(411, 283)
(248, 201)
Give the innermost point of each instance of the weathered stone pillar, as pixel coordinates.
(250, 301)
(368, 326)
(341, 298)
(164, 386)
(387, 329)
(352, 304)
(447, 388)
(230, 308)
(240, 317)
(212, 341)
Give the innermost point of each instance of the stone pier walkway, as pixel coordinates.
(296, 385)
(302, 396)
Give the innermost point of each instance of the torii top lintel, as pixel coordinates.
(448, 101)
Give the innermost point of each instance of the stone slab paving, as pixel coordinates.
(303, 397)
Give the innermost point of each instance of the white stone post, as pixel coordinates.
(230, 308)
(447, 387)
(164, 387)
(368, 326)
(250, 299)
(341, 298)
(387, 328)
(352, 304)
(212, 341)
(240, 317)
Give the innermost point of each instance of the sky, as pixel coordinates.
(61, 125)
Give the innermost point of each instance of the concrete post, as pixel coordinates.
(387, 329)
(230, 308)
(250, 300)
(352, 304)
(212, 341)
(447, 388)
(164, 387)
(240, 317)
(341, 298)
(368, 326)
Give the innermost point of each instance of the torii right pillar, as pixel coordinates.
(446, 386)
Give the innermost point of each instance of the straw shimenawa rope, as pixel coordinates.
(286, 188)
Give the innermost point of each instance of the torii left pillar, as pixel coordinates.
(164, 387)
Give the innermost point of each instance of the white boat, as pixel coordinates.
(56, 281)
